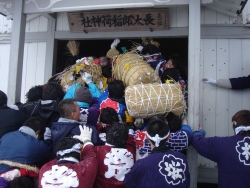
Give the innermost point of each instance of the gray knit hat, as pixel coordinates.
(83, 95)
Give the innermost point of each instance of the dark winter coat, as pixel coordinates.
(240, 83)
(22, 148)
(10, 120)
(47, 111)
(60, 130)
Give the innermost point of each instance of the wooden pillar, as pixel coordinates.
(16, 53)
(49, 68)
(193, 82)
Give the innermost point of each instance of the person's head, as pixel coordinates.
(175, 61)
(109, 116)
(116, 89)
(83, 94)
(68, 147)
(174, 122)
(35, 93)
(3, 99)
(22, 181)
(36, 124)
(170, 74)
(241, 121)
(150, 52)
(103, 60)
(158, 117)
(53, 91)
(117, 135)
(69, 109)
(157, 133)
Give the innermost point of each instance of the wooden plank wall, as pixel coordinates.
(222, 58)
(34, 56)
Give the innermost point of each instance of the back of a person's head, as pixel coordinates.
(66, 107)
(36, 124)
(242, 119)
(160, 128)
(174, 122)
(170, 74)
(116, 89)
(157, 117)
(117, 135)
(109, 116)
(150, 49)
(3, 98)
(35, 93)
(62, 148)
(53, 91)
(21, 182)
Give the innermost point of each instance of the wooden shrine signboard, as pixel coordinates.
(119, 20)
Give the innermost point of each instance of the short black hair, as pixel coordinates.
(157, 117)
(116, 89)
(150, 49)
(174, 122)
(117, 135)
(107, 71)
(3, 98)
(36, 124)
(158, 127)
(168, 74)
(53, 91)
(35, 93)
(179, 64)
(66, 107)
(22, 181)
(109, 116)
(67, 143)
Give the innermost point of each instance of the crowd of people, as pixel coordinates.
(86, 138)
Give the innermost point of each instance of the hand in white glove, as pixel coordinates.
(85, 135)
(47, 134)
(87, 78)
(139, 122)
(209, 80)
(140, 48)
(115, 43)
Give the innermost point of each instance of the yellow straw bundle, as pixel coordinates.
(132, 70)
(146, 100)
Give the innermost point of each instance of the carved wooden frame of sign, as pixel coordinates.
(119, 20)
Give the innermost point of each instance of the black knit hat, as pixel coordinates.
(83, 95)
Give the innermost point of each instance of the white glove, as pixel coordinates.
(139, 122)
(208, 80)
(140, 48)
(85, 135)
(87, 78)
(47, 134)
(115, 43)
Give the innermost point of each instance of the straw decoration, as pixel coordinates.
(152, 99)
(132, 70)
(19, 165)
(73, 48)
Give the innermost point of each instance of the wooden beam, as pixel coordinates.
(172, 32)
(16, 53)
(193, 82)
(50, 46)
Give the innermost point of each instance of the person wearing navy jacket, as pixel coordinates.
(231, 83)
(232, 154)
(68, 123)
(164, 167)
(26, 146)
(10, 119)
